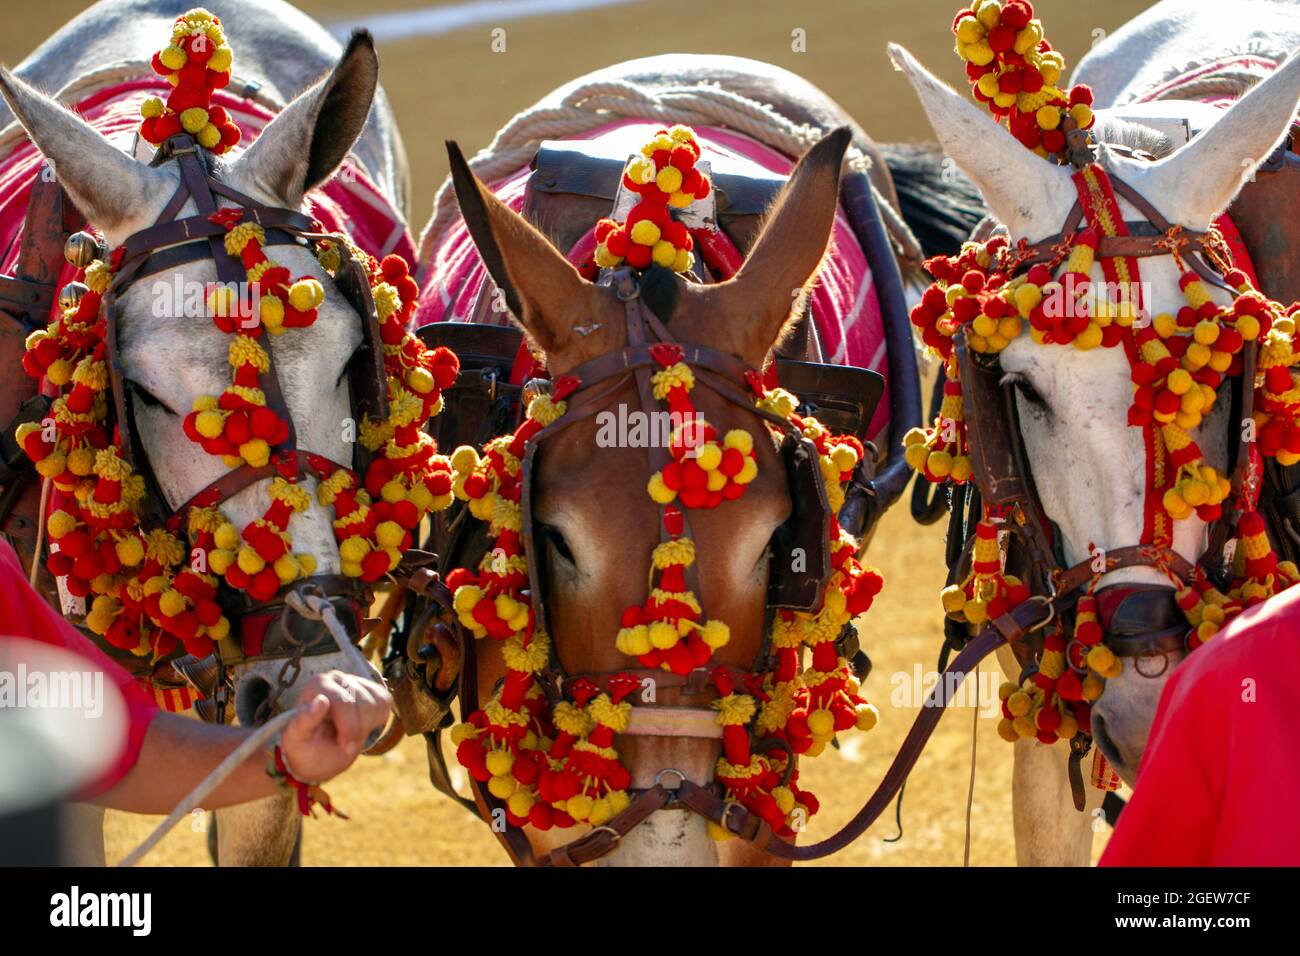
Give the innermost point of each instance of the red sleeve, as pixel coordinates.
(23, 613)
(1173, 816)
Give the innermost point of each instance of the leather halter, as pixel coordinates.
(172, 242)
(600, 379)
(997, 454)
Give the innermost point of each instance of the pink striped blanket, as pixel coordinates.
(844, 301)
(350, 202)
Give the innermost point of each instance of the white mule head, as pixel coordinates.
(1088, 465)
(171, 359)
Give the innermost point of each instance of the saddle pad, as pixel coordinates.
(844, 301)
(350, 202)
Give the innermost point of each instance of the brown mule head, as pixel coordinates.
(597, 525)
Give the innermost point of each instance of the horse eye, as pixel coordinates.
(1026, 389)
(557, 541)
(149, 399)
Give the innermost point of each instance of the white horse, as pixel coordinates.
(172, 360)
(1087, 464)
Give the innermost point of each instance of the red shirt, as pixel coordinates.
(1223, 761)
(23, 613)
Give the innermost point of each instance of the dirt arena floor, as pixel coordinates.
(453, 86)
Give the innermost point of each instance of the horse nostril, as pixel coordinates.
(251, 693)
(1101, 737)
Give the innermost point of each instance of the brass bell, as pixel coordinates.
(70, 295)
(532, 388)
(82, 249)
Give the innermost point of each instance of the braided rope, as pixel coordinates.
(592, 105)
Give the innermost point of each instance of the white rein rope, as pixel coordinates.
(594, 104)
(312, 606)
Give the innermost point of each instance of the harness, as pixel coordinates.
(172, 242)
(266, 629)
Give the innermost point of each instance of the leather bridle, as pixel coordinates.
(172, 242)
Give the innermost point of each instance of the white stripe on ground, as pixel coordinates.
(436, 21)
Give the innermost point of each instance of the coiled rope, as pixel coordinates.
(595, 104)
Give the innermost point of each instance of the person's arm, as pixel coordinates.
(338, 712)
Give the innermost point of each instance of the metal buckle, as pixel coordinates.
(607, 829)
(681, 777)
(1046, 601)
(727, 807)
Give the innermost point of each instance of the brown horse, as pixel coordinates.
(595, 526)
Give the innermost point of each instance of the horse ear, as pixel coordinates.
(107, 185)
(1203, 177)
(542, 289)
(784, 259)
(1025, 192)
(309, 138)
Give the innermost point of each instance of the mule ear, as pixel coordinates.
(1026, 193)
(309, 138)
(771, 285)
(108, 186)
(1205, 176)
(542, 289)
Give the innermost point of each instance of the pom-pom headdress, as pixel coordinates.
(195, 62)
(1178, 363)
(665, 177)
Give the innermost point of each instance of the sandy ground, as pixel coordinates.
(454, 86)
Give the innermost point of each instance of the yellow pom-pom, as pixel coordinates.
(953, 599)
(250, 562)
(221, 59)
(1019, 703)
(715, 634)
(645, 233)
(306, 294)
(271, 311)
(256, 452)
(662, 635)
(171, 602)
(59, 524)
(669, 179)
(81, 461)
(709, 456)
(503, 787)
(389, 534)
(59, 372)
(747, 473)
(172, 56)
(664, 253)
(355, 548)
(151, 108)
(660, 493)
(867, 716)
(821, 723)
(209, 424)
(130, 551)
(579, 806)
(499, 762)
(286, 568)
(1048, 117)
(194, 119)
(220, 560)
(209, 137)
